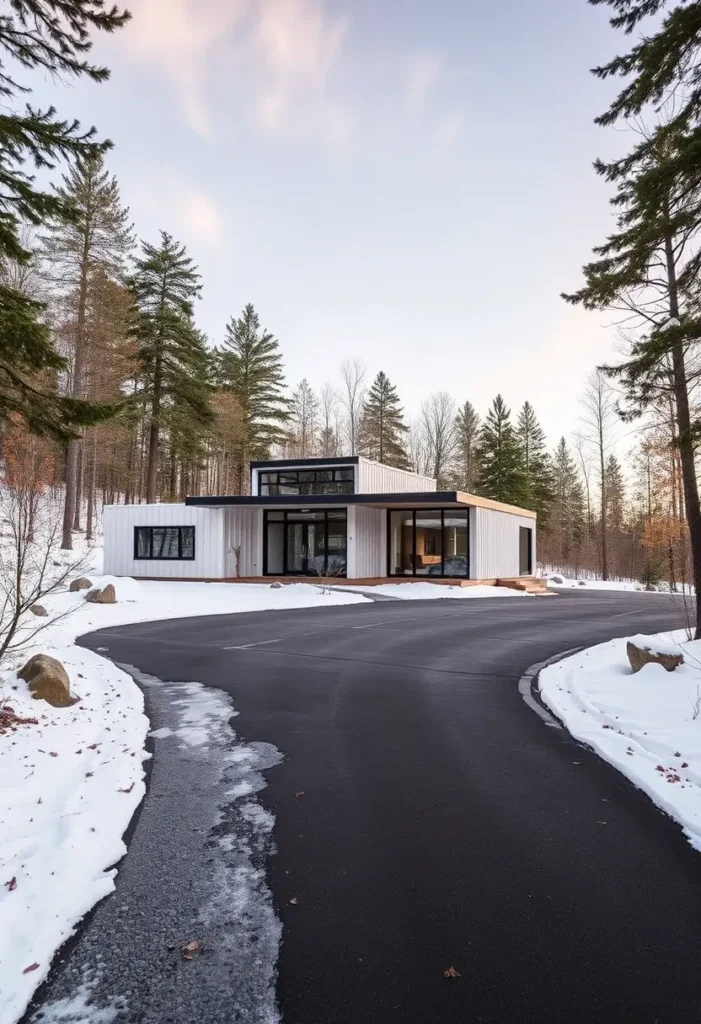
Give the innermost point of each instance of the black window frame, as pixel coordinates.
(335, 515)
(180, 557)
(523, 531)
(329, 480)
(414, 575)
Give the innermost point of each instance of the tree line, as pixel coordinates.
(110, 386)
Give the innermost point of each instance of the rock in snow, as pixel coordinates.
(646, 651)
(82, 583)
(48, 680)
(108, 595)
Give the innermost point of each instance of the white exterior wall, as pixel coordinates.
(244, 529)
(494, 543)
(119, 522)
(374, 478)
(367, 542)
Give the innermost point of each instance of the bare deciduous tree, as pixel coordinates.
(28, 569)
(438, 422)
(352, 395)
(598, 418)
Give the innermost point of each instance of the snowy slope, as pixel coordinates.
(647, 724)
(70, 784)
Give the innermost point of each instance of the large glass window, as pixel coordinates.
(164, 542)
(312, 543)
(307, 481)
(428, 542)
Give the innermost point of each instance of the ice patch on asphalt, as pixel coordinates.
(196, 870)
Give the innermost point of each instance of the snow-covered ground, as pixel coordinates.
(70, 783)
(432, 591)
(647, 724)
(559, 582)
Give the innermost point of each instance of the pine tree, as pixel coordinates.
(467, 434)
(171, 350)
(98, 237)
(53, 37)
(304, 421)
(650, 266)
(536, 463)
(383, 435)
(615, 494)
(250, 367)
(502, 474)
(567, 518)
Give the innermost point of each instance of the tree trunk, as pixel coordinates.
(686, 444)
(602, 468)
(72, 451)
(80, 469)
(92, 473)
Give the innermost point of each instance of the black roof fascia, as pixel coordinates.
(341, 460)
(410, 498)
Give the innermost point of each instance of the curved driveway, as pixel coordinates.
(441, 823)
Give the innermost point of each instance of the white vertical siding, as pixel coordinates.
(244, 529)
(119, 522)
(367, 542)
(494, 545)
(374, 478)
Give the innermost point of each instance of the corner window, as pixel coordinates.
(428, 542)
(157, 543)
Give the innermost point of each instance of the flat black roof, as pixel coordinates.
(341, 460)
(409, 499)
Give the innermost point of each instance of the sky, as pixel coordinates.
(404, 183)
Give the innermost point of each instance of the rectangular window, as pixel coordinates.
(155, 543)
(428, 542)
(307, 481)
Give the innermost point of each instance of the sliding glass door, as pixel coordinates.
(310, 543)
(428, 542)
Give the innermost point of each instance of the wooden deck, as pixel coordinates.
(530, 584)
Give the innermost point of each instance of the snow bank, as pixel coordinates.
(647, 724)
(70, 785)
(559, 582)
(433, 591)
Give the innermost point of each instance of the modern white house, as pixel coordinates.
(343, 517)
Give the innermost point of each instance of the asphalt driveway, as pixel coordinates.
(427, 819)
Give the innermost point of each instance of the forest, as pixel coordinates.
(111, 393)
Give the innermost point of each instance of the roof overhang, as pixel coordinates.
(413, 499)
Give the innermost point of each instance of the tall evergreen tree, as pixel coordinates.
(566, 522)
(502, 474)
(52, 36)
(650, 266)
(383, 428)
(250, 366)
(97, 238)
(171, 350)
(467, 434)
(537, 465)
(615, 494)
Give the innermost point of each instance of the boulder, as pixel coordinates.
(38, 609)
(107, 595)
(639, 655)
(48, 680)
(82, 583)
